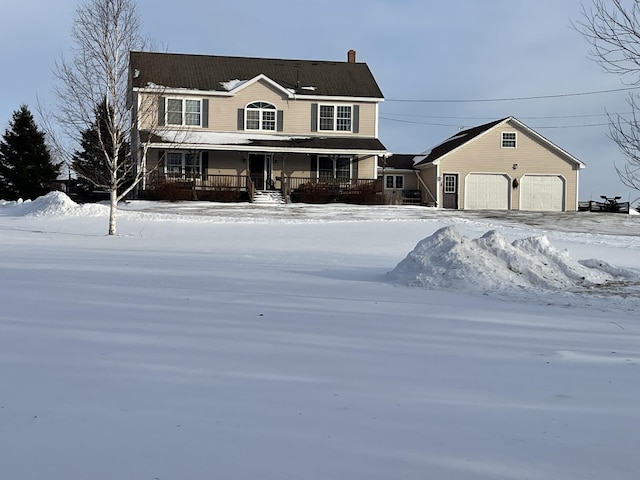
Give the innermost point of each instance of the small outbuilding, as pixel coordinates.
(501, 165)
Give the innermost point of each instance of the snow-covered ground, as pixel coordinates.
(271, 342)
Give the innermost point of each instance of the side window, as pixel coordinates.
(394, 182)
(508, 139)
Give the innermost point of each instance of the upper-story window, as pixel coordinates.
(335, 118)
(184, 112)
(508, 139)
(260, 116)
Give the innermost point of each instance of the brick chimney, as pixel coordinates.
(351, 56)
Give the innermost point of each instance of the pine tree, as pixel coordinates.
(26, 168)
(92, 162)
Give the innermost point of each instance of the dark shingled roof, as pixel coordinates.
(454, 141)
(301, 144)
(401, 161)
(205, 72)
(324, 143)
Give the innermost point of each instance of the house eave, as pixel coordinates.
(265, 149)
(289, 94)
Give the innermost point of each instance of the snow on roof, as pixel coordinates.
(232, 84)
(419, 158)
(221, 138)
(449, 260)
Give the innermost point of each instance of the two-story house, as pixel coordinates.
(233, 125)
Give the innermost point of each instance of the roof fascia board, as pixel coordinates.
(439, 159)
(263, 77)
(257, 148)
(288, 93)
(182, 91)
(327, 98)
(546, 141)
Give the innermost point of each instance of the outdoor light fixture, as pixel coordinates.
(515, 166)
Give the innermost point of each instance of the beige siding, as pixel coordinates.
(226, 163)
(532, 156)
(368, 167)
(429, 177)
(223, 111)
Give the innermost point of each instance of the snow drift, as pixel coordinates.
(52, 204)
(448, 259)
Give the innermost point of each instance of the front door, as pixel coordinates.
(450, 190)
(261, 171)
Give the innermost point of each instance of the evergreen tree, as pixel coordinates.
(92, 162)
(26, 168)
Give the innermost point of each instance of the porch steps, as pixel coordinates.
(268, 197)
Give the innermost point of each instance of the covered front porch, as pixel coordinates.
(243, 188)
(306, 170)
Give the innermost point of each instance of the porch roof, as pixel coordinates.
(267, 143)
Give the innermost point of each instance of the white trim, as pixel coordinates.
(565, 189)
(335, 117)
(261, 110)
(184, 100)
(183, 153)
(157, 89)
(506, 120)
(329, 98)
(514, 140)
(250, 148)
(507, 193)
(395, 177)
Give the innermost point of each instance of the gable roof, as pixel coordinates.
(453, 142)
(465, 136)
(212, 73)
(400, 161)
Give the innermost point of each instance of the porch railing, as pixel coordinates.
(325, 190)
(241, 187)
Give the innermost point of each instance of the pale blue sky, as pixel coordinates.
(417, 50)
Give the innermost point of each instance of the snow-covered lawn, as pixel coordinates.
(254, 342)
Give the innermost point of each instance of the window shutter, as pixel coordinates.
(354, 168)
(204, 158)
(313, 168)
(205, 113)
(314, 117)
(355, 127)
(161, 160)
(161, 111)
(280, 120)
(241, 119)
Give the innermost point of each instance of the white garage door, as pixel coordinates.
(486, 191)
(542, 193)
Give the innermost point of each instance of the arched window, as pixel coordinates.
(260, 116)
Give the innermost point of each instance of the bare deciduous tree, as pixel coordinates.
(104, 33)
(612, 27)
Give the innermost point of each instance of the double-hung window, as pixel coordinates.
(335, 118)
(260, 116)
(330, 168)
(394, 182)
(182, 163)
(508, 139)
(184, 112)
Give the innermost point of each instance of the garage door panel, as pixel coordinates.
(542, 193)
(485, 191)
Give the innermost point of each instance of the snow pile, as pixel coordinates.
(54, 204)
(448, 259)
